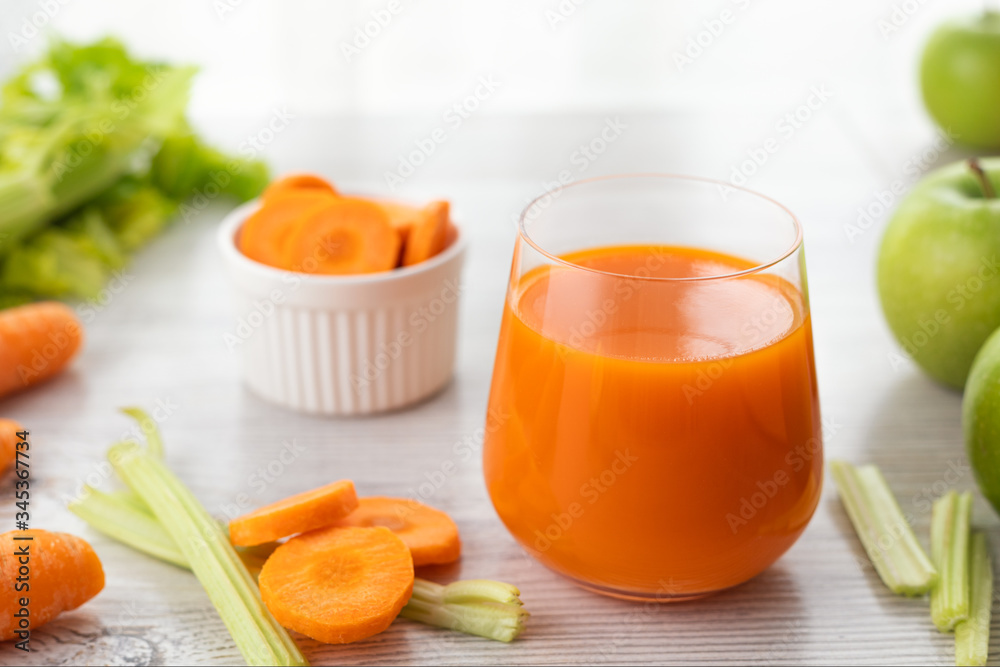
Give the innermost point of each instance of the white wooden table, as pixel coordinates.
(160, 341)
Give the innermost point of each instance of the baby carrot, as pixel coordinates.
(37, 341)
(8, 442)
(63, 571)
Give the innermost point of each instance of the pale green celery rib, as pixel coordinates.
(118, 518)
(950, 519)
(115, 514)
(972, 636)
(884, 531)
(481, 590)
(493, 620)
(149, 427)
(201, 540)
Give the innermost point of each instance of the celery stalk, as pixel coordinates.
(481, 607)
(950, 519)
(884, 531)
(972, 636)
(116, 516)
(149, 429)
(260, 638)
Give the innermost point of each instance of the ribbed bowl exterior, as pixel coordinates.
(344, 345)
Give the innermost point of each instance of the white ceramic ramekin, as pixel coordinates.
(343, 345)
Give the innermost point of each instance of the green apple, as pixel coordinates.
(939, 268)
(981, 419)
(960, 79)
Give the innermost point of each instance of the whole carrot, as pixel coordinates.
(8, 442)
(36, 342)
(51, 572)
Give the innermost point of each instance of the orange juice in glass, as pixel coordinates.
(654, 427)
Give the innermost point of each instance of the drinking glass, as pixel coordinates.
(653, 429)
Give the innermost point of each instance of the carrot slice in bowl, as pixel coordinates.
(427, 238)
(265, 235)
(338, 585)
(345, 236)
(296, 514)
(298, 183)
(430, 534)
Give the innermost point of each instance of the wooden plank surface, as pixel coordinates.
(159, 341)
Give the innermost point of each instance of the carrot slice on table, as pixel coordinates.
(427, 237)
(298, 183)
(430, 534)
(265, 235)
(8, 442)
(297, 514)
(65, 573)
(338, 585)
(37, 341)
(345, 236)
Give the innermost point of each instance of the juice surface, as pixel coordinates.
(654, 437)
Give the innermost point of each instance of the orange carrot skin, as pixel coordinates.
(37, 341)
(8, 442)
(63, 573)
(300, 513)
(338, 585)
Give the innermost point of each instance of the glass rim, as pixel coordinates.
(522, 230)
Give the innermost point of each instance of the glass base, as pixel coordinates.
(635, 596)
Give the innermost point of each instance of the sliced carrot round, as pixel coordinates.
(265, 235)
(338, 585)
(298, 183)
(427, 238)
(430, 534)
(296, 514)
(345, 236)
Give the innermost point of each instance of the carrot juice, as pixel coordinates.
(655, 427)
